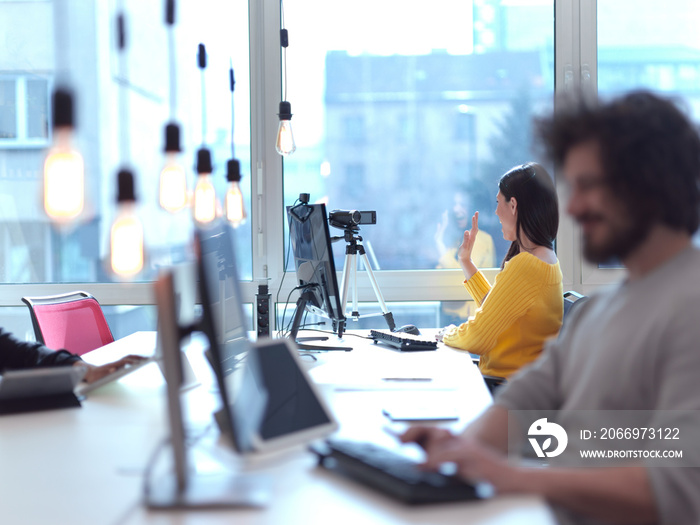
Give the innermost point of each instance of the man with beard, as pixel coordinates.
(632, 168)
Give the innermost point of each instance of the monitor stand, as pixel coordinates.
(208, 491)
(296, 323)
(184, 488)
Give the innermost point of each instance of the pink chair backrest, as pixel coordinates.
(77, 326)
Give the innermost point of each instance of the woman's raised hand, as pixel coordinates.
(464, 253)
(465, 249)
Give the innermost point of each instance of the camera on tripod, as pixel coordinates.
(351, 219)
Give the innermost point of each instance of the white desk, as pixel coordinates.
(86, 465)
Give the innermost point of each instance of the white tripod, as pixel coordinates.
(353, 248)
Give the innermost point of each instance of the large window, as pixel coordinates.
(409, 108)
(24, 103)
(642, 44)
(415, 112)
(74, 43)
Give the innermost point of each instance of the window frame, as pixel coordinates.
(575, 66)
(22, 112)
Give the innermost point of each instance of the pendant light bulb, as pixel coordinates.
(235, 208)
(173, 180)
(285, 138)
(204, 194)
(126, 236)
(64, 169)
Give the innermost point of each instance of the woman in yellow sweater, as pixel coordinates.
(524, 307)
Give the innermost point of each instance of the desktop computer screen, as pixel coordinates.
(268, 399)
(313, 257)
(223, 319)
(236, 368)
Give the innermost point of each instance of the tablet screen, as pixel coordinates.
(293, 405)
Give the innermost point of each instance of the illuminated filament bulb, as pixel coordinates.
(64, 169)
(204, 194)
(172, 194)
(235, 209)
(126, 236)
(285, 139)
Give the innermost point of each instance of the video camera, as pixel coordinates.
(351, 219)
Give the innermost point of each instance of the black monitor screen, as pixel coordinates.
(313, 257)
(235, 367)
(224, 321)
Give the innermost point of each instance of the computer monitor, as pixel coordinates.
(185, 489)
(223, 323)
(313, 257)
(223, 320)
(268, 401)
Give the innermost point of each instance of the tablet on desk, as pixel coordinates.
(273, 402)
(39, 388)
(295, 412)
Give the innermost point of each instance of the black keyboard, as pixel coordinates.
(391, 473)
(402, 341)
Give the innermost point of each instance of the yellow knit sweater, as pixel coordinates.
(514, 318)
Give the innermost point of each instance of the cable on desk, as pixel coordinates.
(331, 332)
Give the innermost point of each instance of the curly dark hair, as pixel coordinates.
(650, 152)
(538, 209)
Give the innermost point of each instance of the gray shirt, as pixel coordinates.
(632, 346)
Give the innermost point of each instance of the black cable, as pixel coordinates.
(286, 303)
(170, 22)
(202, 64)
(331, 332)
(284, 274)
(232, 83)
(284, 42)
(123, 96)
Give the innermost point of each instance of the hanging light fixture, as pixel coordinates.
(285, 144)
(173, 180)
(126, 234)
(64, 169)
(126, 245)
(204, 202)
(204, 194)
(172, 194)
(235, 208)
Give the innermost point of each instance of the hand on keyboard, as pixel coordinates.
(474, 460)
(98, 372)
(443, 331)
(391, 473)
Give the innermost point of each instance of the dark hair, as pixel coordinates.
(650, 152)
(538, 208)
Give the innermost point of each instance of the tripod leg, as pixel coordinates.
(377, 292)
(355, 311)
(349, 259)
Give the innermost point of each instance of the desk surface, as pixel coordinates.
(87, 465)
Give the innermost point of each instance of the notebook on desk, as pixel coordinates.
(85, 388)
(39, 389)
(189, 380)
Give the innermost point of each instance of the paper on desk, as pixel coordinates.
(421, 406)
(387, 374)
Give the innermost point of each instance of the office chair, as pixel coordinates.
(570, 298)
(73, 321)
